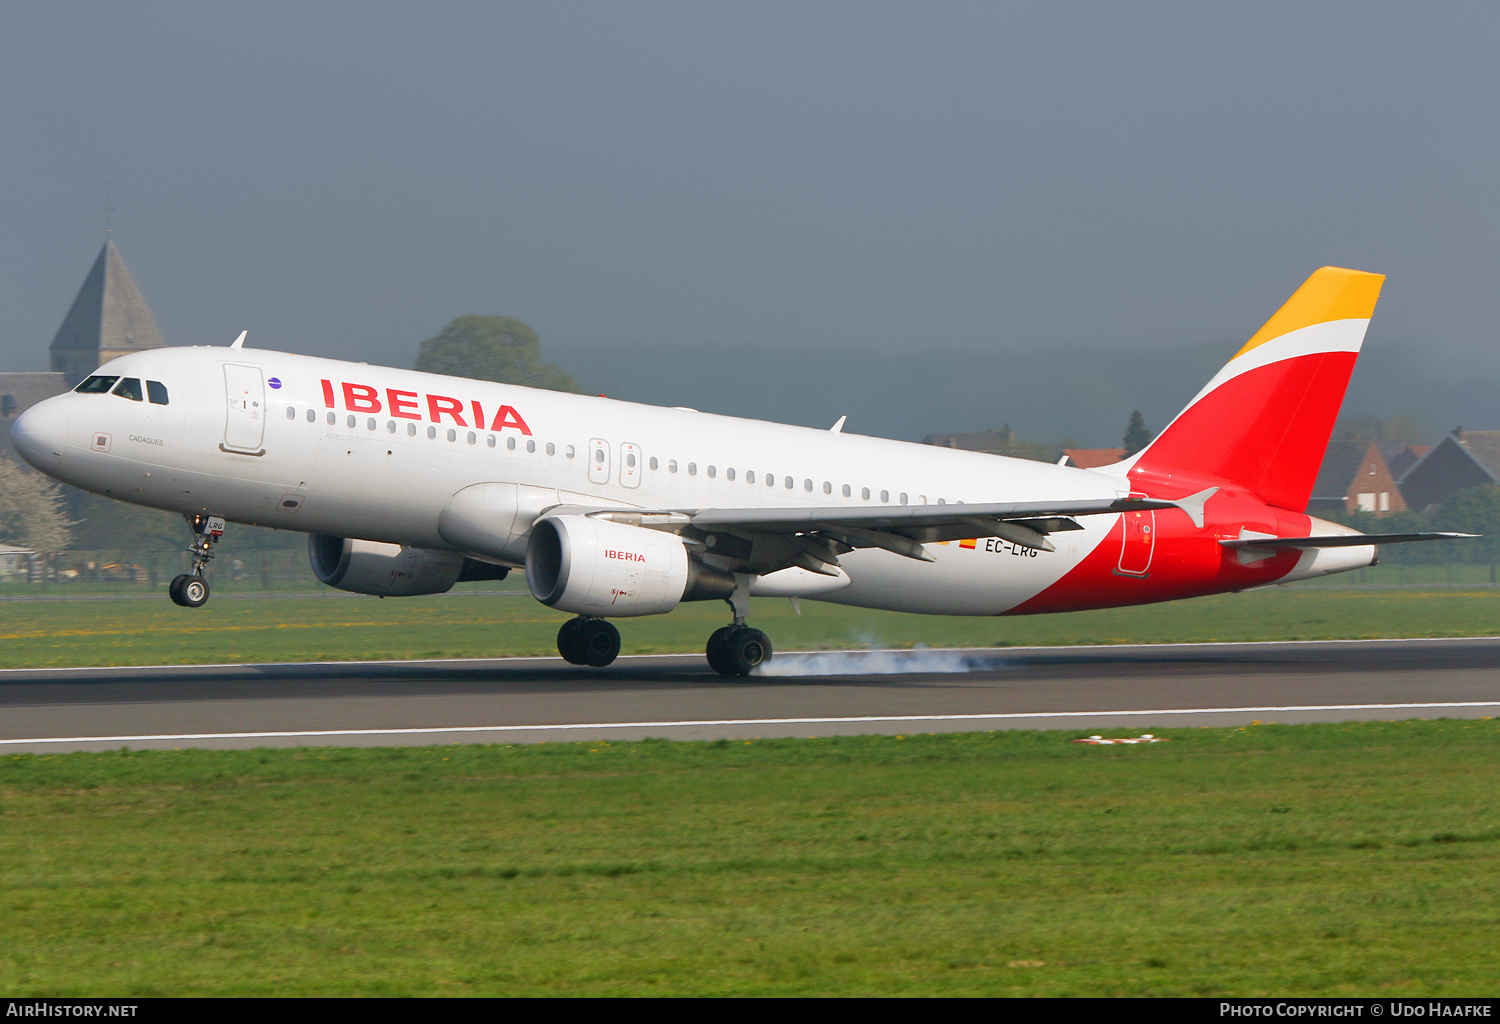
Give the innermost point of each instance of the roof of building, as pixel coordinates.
(109, 312)
(1484, 445)
(1092, 458)
(1342, 460)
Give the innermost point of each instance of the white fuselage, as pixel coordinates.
(376, 453)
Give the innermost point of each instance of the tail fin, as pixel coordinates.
(1263, 422)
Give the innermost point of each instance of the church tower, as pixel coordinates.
(109, 318)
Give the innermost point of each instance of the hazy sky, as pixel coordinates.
(345, 178)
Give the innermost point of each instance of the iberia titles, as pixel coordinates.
(409, 405)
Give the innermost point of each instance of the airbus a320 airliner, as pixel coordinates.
(408, 483)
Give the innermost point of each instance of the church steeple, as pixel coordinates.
(109, 318)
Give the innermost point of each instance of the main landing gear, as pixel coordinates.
(735, 650)
(190, 590)
(588, 641)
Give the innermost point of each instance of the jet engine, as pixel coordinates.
(390, 570)
(593, 567)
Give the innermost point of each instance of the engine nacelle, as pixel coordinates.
(593, 567)
(390, 570)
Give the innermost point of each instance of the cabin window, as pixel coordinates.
(653, 462)
(729, 473)
(432, 433)
(598, 452)
(291, 413)
(847, 491)
(411, 430)
(942, 501)
(312, 415)
(630, 459)
(790, 483)
(568, 451)
(885, 495)
(472, 438)
(692, 469)
(903, 497)
(490, 440)
(130, 387)
(157, 392)
(350, 420)
(749, 476)
(370, 424)
(531, 447)
(807, 486)
(96, 385)
(551, 448)
(390, 426)
(333, 419)
(510, 443)
(452, 434)
(671, 465)
(712, 472)
(827, 487)
(864, 493)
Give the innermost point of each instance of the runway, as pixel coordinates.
(678, 697)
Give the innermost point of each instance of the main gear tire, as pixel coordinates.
(567, 642)
(598, 642)
(716, 650)
(739, 651)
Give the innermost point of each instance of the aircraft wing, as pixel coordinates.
(758, 539)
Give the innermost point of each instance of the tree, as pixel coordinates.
(31, 510)
(1473, 510)
(492, 348)
(1136, 434)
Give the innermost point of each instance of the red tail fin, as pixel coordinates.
(1262, 424)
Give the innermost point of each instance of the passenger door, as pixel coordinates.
(245, 415)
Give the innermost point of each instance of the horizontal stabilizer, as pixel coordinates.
(1344, 540)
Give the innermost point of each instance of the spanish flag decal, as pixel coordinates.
(967, 543)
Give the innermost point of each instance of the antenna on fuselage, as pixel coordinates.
(240, 341)
(838, 428)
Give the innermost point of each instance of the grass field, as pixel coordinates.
(150, 632)
(1317, 860)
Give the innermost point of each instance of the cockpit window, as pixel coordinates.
(130, 387)
(157, 391)
(96, 385)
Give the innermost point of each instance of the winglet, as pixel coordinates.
(838, 428)
(240, 341)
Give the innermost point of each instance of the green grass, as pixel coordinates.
(133, 632)
(1356, 859)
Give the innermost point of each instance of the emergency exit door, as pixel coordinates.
(245, 415)
(1138, 544)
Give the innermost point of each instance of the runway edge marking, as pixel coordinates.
(582, 726)
(692, 654)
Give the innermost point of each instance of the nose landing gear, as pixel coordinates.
(736, 650)
(588, 641)
(190, 590)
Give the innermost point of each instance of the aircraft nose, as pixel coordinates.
(40, 432)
